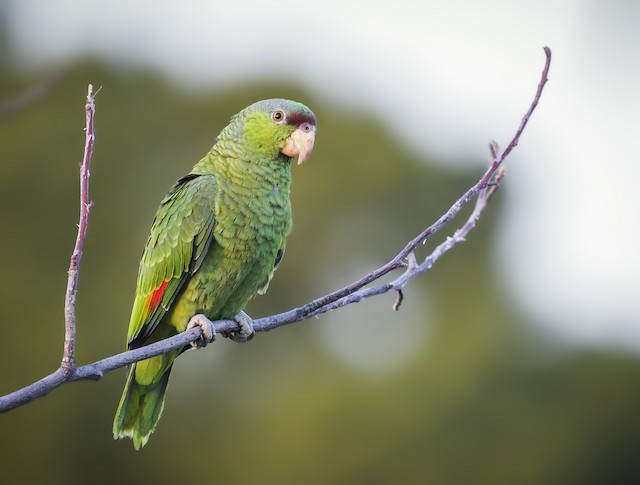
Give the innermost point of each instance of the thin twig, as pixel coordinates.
(68, 363)
(353, 293)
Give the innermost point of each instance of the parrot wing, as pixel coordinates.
(181, 233)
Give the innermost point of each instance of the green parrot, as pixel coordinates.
(215, 241)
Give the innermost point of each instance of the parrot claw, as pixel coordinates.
(245, 330)
(208, 331)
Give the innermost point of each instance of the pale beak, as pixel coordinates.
(300, 142)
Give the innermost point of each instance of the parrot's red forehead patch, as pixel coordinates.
(296, 118)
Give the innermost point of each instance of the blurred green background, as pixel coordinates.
(455, 388)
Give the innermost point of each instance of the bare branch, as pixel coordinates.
(68, 358)
(353, 293)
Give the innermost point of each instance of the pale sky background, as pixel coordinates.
(459, 73)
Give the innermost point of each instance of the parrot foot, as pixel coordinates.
(208, 331)
(245, 330)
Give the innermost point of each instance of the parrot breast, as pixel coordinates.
(253, 219)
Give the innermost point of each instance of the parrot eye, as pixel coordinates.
(278, 116)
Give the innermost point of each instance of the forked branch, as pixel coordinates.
(483, 190)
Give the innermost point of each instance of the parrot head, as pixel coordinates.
(273, 127)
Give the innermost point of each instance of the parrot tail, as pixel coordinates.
(140, 407)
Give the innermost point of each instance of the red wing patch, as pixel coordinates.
(156, 297)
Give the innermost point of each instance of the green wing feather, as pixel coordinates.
(181, 233)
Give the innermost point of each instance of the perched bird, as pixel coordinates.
(216, 239)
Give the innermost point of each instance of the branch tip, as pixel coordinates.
(399, 299)
(493, 148)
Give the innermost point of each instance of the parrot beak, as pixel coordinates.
(300, 142)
